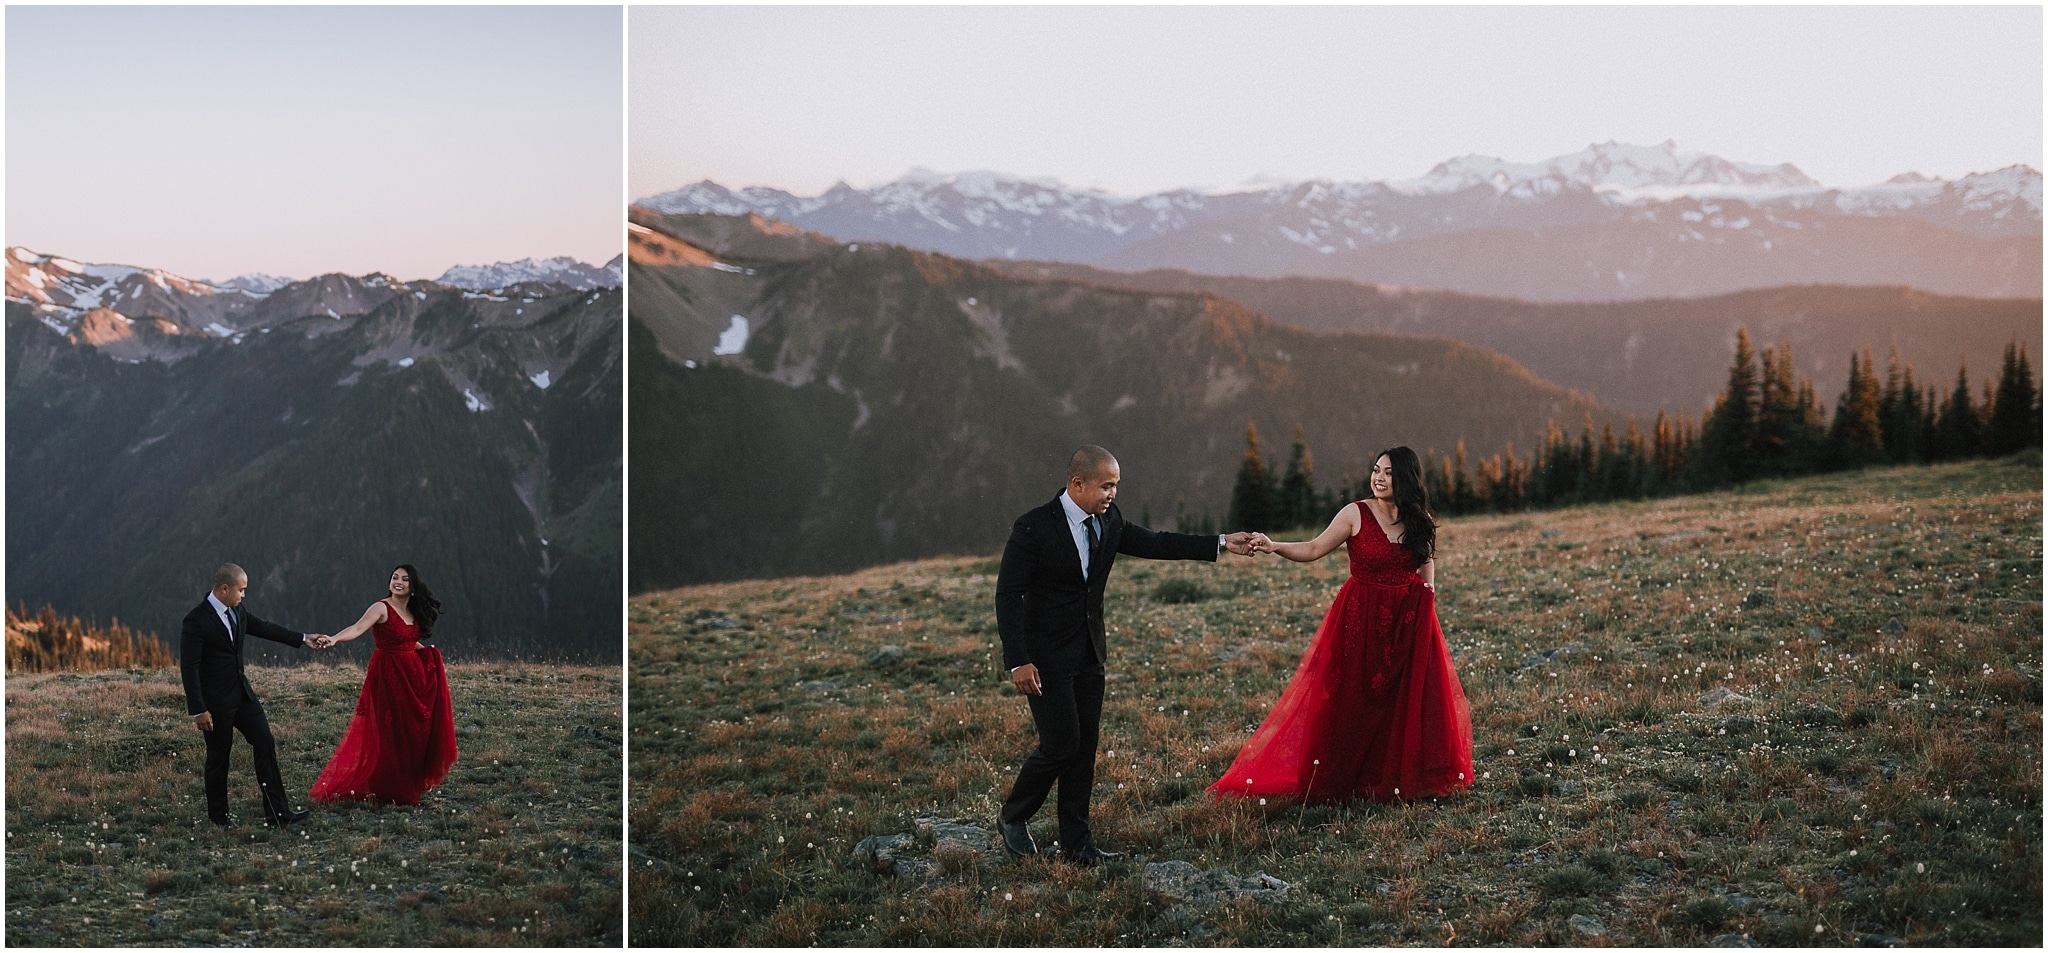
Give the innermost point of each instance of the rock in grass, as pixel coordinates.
(1722, 695)
(1759, 600)
(878, 854)
(1588, 925)
(1879, 939)
(888, 656)
(1177, 883)
(1731, 939)
(946, 833)
(1893, 626)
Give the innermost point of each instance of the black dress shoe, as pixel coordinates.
(224, 823)
(1091, 856)
(289, 817)
(1017, 840)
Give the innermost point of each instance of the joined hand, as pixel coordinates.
(1241, 543)
(318, 641)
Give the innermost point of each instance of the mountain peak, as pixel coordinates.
(1618, 169)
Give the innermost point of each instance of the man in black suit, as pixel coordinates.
(1049, 613)
(220, 699)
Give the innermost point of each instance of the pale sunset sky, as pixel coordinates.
(1138, 99)
(295, 141)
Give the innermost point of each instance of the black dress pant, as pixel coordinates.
(248, 719)
(1069, 719)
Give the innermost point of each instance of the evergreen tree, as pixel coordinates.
(1461, 493)
(1583, 460)
(1548, 470)
(1958, 431)
(1636, 456)
(1607, 466)
(1857, 437)
(1252, 499)
(1898, 411)
(1297, 500)
(1729, 444)
(2014, 413)
(1791, 437)
(1436, 480)
(1665, 459)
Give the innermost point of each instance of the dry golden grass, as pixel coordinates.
(47, 642)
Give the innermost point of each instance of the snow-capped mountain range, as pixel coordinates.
(62, 291)
(1632, 208)
(560, 270)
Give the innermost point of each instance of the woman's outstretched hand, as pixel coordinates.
(1261, 543)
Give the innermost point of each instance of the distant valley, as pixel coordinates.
(1637, 356)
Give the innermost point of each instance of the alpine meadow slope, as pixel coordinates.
(805, 406)
(1803, 712)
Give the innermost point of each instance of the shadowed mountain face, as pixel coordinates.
(1636, 356)
(318, 436)
(835, 406)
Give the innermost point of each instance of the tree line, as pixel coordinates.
(1766, 423)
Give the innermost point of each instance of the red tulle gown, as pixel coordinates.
(402, 739)
(1375, 710)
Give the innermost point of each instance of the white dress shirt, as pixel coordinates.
(1077, 523)
(220, 609)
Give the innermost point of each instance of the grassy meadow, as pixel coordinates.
(1800, 713)
(108, 842)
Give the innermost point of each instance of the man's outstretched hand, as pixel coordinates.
(1026, 680)
(1240, 543)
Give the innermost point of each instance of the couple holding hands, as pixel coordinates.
(1375, 709)
(400, 741)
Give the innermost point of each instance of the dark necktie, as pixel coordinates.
(1094, 539)
(234, 621)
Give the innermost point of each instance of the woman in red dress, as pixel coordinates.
(402, 739)
(1375, 710)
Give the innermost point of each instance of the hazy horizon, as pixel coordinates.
(1139, 100)
(215, 142)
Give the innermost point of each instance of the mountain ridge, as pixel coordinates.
(317, 434)
(866, 403)
(1310, 226)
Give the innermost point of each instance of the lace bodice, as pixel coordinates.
(395, 634)
(1375, 558)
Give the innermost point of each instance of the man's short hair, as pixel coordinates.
(1088, 461)
(227, 575)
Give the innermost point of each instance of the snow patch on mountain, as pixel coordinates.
(255, 284)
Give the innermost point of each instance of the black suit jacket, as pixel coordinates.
(1047, 614)
(212, 663)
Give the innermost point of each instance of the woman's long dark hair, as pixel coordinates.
(425, 608)
(1411, 503)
